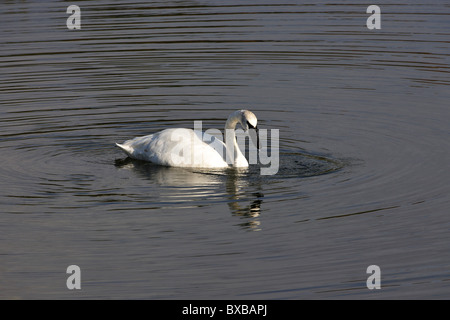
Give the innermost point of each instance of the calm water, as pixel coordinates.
(364, 150)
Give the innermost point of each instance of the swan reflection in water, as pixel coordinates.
(241, 203)
(194, 187)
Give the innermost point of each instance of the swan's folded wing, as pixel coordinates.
(178, 148)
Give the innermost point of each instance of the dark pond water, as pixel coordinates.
(364, 178)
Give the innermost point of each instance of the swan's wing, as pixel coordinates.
(195, 149)
(177, 147)
(211, 140)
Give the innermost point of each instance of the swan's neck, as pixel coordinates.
(233, 151)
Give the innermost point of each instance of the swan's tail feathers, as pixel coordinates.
(127, 149)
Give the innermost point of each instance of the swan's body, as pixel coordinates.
(188, 148)
(161, 148)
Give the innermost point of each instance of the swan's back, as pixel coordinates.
(178, 148)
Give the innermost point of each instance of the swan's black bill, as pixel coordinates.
(257, 138)
(254, 135)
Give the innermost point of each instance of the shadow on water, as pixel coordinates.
(240, 188)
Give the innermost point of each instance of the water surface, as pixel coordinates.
(364, 150)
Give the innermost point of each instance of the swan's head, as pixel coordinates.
(248, 120)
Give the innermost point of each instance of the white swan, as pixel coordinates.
(188, 148)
